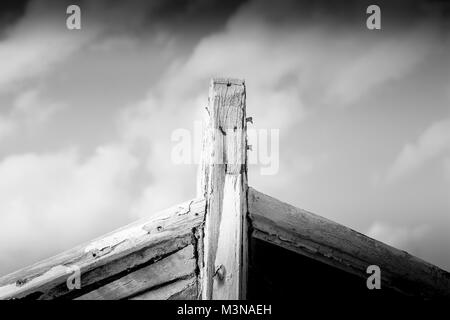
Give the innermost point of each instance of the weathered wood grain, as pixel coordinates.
(223, 183)
(185, 289)
(178, 265)
(323, 240)
(111, 256)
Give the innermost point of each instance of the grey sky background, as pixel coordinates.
(86, 116)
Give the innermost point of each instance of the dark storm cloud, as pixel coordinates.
(176, 15)
(187, 13)
(351, 14)
(189, 19)
(10, 11)
(197, 18)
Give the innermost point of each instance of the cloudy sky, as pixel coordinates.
(87, 116)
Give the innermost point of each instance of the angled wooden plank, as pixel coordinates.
(178, 265)
(223, 183)
(336, 245)
(109, 257)
(184, 289)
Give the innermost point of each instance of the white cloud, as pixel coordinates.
(282, 68)
(433, 142)
(49, 202)
(31, 109)
(28, 111)
(386, 60)
(6, 127)
(37, 42)
(447, 176)
(406, 238)
(146, 127)
(447, 167)
(40, 40)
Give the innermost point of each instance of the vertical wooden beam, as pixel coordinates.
(223, 183)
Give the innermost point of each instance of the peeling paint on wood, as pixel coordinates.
(106, 258)
(341, 247)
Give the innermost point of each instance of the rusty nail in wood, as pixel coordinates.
(220, 272)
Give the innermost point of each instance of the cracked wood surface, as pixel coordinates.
(184, 289)
(112, 256)
(176, 266)
(341, 247)
(223, 183)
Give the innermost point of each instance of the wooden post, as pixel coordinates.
(223, 184)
